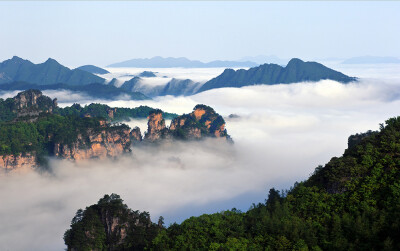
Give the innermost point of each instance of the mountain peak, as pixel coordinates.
(51, 61)
(46, 73)
(296, 71)
(294, 61)
(16, 58)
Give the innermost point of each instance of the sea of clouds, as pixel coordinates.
(281, 134)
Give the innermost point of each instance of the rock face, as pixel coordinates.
(32, 103)
(202, 122)
(77, 138)
(136, 135)
(9, 162)
(97, 145)
(155, 126)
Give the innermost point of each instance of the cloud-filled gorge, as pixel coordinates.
(282, 133)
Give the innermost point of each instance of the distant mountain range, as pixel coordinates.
(175, 87)
(47, 73)
(20, 74)
(372, 60)
(95, 90)
(93, 69)
(270, 74)
(170, 62)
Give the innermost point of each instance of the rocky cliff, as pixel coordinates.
(27, 105)
(33, 133)
(135, 135)
(18, 161)
(202, 122)
(156, 129)
(107, 143)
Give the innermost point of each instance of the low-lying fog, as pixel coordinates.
(282, 133)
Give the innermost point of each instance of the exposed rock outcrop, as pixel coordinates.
(78, 138)
(202, 122)
(19, 161)
(32, 103)
(156, 129)
(136, 135)
(106, 143)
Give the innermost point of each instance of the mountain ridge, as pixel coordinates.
(170, 62)
(48, 72)
(269, 74)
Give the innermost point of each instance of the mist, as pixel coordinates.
(281, 133)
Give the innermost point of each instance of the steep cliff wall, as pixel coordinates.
(33, 128)
(19, 161)
(156, 129)
(202, 122)
(32, 103)
(107, 143)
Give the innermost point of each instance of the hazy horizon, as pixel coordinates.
(102, 33)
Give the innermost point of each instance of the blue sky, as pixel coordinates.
(101, 33)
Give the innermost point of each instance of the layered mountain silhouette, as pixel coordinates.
(94, 90)
(93, 69)
(18, 74)
(175, 87)
(269, 74)
(47, 73)
(160, 62)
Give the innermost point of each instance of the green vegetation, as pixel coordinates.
(32, 123)
(104, 111)
(93, 229)
(41, 135)
(7, 108)
(209, 122)
(352, 203)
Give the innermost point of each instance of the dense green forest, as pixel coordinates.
(94, 228)
(118, 114)
(351, 203)
(41, 135)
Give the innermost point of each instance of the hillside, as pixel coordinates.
(269, 74)
(47, 73)
(351, 203)
(33, 128)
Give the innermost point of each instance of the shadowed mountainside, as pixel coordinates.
(47, 73)
(269, 74)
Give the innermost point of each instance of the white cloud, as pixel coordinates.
(283, 132)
